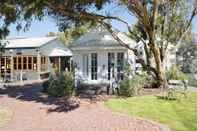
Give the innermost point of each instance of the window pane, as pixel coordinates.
(24, 63)
(8, 67)
(34, 63)
(43, 60)
(2, 66)
(29, 63)
(111, 65)
(120, 65)
(15, 63)
(43, 63)
(94, 66)
(85, 64)
(19, 63)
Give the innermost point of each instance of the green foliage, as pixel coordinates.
(8, 15)
(63, 85)
(132, 87)
(175, 74)
(55, 88)
(45, 85)
(69, 83)
(192, 80)
(51, 34)
(187, 55)
(74, 32)
(127, 70)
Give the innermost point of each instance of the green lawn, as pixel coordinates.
(4, 116)
(178, 115)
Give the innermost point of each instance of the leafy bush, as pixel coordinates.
(192, 79)
(63, 85)
(175, 74)
(132, 87)
(127, 70)
(45, 85)
(69, 84)
(55, 88)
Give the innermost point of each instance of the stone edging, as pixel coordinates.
(162, 126)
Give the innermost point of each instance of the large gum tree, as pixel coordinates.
(160, 22)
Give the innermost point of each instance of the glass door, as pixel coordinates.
(94, 66)
(111, 65)
(5, 68)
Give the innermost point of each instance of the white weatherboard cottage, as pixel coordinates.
(99, 58)
(33, 58)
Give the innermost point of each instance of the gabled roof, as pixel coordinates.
(101, 38)
(28, 42)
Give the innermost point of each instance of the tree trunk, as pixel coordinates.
(160, 69)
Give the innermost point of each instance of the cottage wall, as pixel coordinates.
(102, 64)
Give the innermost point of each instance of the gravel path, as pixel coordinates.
(33, 111)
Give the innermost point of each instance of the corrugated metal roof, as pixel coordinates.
(28, 42)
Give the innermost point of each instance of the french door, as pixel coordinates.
(5, 67)
(115, 65)
(94, 66)
(111, 65)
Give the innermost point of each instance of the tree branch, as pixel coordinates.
(194, 13)
(115, 36)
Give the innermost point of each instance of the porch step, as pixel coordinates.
(92, 90)
(96, 90)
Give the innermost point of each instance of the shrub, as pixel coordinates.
(69, 84)
(132, 87)
(45, 85)
(192, 79)
(126, 88)
(176, 74)
(63, 85)
(55, 89)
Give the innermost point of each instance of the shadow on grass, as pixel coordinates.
(34, 93)
(166, 98)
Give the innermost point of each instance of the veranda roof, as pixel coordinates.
(60, 52)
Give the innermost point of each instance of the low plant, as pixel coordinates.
(46, 84)
(69, 84)
(55, 88)
(63, 85)
(131, 87)
(175, 74)
(192, 80)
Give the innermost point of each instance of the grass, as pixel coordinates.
(4, 116)
(178, 115)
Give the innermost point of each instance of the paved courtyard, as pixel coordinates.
(34, 111)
